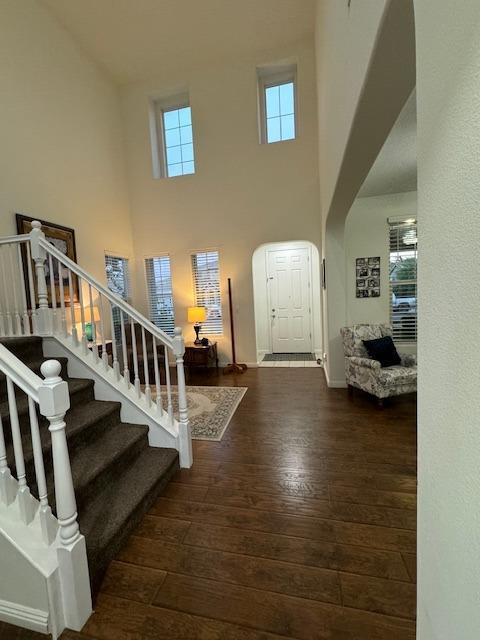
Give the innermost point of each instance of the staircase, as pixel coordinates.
(88, 438)
(116, 474)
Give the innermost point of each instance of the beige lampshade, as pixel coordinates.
(197, 314)
(87, 315)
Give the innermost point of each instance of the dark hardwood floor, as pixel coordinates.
(299, 524)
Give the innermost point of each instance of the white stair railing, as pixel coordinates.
(16, 318)
(59, 298)
(50, 399)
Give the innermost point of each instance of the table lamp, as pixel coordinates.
(197, 315)
(90, 329)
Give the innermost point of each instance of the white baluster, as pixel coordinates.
(148, 390)
(184, 435)
(116, 365)
(54, 402)
(25, 316)
(31, 289)
(25, 501)
(8, 315)
(53, 294)
(72, 558)
(63, 315)
(102, 329)
(82, 315)
(71, 295)
(158, 388)
(14, 276)
(8, 487)
(168, 385)
(47, 521)
(126, 372)
(39, 257)
(3, 307)
(92, 324)
(136, 379)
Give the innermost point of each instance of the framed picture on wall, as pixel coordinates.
(367, 277)
(63, 238)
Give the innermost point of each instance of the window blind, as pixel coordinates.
(118, 280)
(160, 294)
(206, 281)
(403, 279)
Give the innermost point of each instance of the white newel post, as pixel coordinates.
(184, 435)
(54, 401)
(44, 316)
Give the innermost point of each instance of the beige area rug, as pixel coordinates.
(210, 409)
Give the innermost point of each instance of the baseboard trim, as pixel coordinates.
(334, 384)
(26, 617)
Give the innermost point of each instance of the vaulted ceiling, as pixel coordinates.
(132, 39)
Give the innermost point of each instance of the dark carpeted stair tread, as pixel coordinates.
(75, 386)
(34, 366)
(25, 348)
(99, 460)
(116, 510)
(77, 420)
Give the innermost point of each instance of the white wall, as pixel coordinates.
(244, 194)
(61, 151)
(260, 293)
(448, 94)
(365, 73)
(366, 234)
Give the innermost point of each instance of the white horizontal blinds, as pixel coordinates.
(403, 279)
(118, 281)
(160, 295)
(206, 279)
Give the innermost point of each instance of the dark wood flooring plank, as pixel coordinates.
(167, 529)
(347, 511)
(132, 582)
(275, 613)
(333, 556)
(119, 619)
(381, 596)
(261, 573)
(410, 560)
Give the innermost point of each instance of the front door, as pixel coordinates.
(289, 288)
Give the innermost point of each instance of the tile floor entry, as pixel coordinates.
(289, 360)
(285, 357)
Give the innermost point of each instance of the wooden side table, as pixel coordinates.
(198, 355)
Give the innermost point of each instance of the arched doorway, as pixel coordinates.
(286, 288)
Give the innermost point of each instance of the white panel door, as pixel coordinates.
(289, 287)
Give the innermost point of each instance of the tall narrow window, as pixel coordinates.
(277, 104)
(178, 140)
(172, 137)
(206, 281)
(403, 279)
(118, 281)
(160, 295)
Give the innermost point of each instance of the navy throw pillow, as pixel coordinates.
(383, 350)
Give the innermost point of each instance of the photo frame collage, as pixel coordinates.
(368, 277)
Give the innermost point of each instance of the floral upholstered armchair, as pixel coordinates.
(367, 374)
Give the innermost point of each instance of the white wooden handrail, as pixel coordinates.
(124, 306)
(23, 377)
(15, 239)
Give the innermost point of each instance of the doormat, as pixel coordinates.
(288, 357)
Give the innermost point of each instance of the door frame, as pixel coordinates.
(294, 245)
